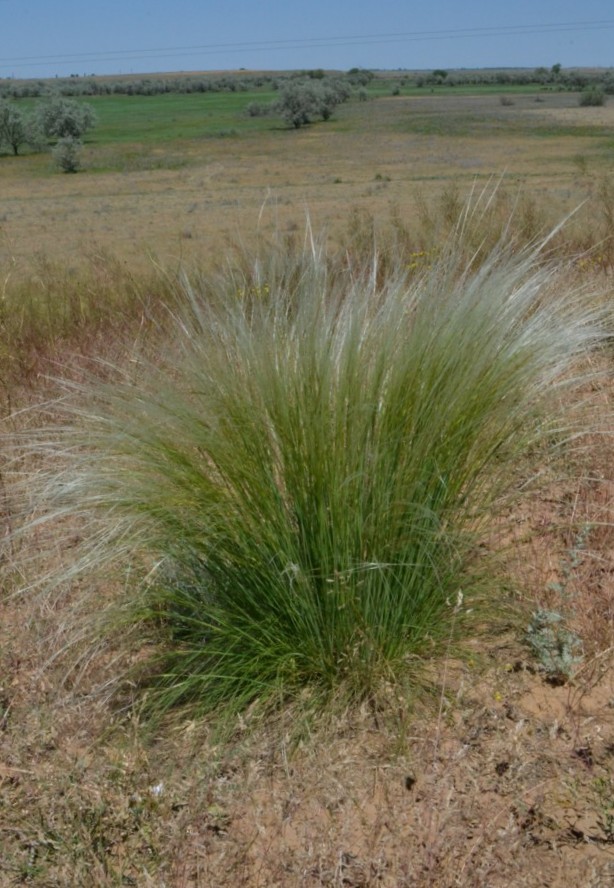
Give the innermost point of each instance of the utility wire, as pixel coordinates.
(293, 43)
(307, 43)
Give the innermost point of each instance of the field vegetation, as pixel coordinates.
(555, 78)
(308, 553)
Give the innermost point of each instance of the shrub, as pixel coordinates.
(17, 129)
(67, 154)
(593, 96)
(360, 76)
(332, 93)
(305, 482)
(63, 118)
(301, 102)
(257, 109)
(297, 103)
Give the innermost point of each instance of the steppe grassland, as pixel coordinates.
(511, 774)
(178, 175)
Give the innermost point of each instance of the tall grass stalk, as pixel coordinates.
(304, 479)
(49, 310)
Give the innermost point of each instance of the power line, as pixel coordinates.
(307, 43)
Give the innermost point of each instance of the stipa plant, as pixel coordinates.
(305, 479)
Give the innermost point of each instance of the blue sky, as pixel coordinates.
(41, 38)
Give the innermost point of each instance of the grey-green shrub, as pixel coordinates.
(558, 650)
(258, 109)
(67, 154)
(302, 102)
(593, 96)
(305, 480)
(61, 118)
(297, 103)
(17, 128)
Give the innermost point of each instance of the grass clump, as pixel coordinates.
(305, 479)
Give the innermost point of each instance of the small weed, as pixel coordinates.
(604, 790)
(557, 649)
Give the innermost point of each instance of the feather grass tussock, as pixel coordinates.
(304, 479)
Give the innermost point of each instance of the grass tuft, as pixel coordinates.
(304, 480)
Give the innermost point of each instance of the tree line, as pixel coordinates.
(83, 87)
(554, 78)
(59, 121)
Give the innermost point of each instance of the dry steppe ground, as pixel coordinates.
(380, 156)
(502, 777)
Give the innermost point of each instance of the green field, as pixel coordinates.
(172, 117)
(168, 118)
